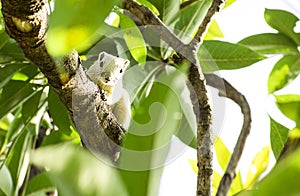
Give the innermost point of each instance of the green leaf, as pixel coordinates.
(81, 19)
(56, 137)
(4, 38)
(222, 153)
(216, 178)
(281, 179)
(133, 38)
(78, 172)
(11, 52)
(149, 5)
(282, 21)
(246, 192)
(39, 185)
(190, 19)
(18, 158)
(167, 9)
(15, 126)
(31, 106)
(228, 3)
(6, 185)
(284, 71)
(289, 105)
(270, 43)
(14, 94)
(193, 164)
(8, 70)
(23, 116)
(278, 137)
(258, 166)
(213, 31)
(218, 55)
(59, 113)
(30, 71)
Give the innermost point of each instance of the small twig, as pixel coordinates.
(226, 90)
(215, 7)
(187, 3)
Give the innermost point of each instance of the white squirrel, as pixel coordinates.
(107, 73)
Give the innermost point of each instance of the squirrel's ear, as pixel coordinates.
(101, 59)
(101, 56)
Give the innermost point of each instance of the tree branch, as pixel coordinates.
(215, 7)
(226, 90)
(204, 135)
(26, 22)
(148, 18)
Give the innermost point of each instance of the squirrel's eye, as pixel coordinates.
(121, 70)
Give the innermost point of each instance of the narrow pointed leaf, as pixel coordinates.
(14, 94)
(31, 107)
(133, 38)
(258, 166)
(8, 70)
(222, 153)
(23, 116)
(4, 38)
(278, 137)
(9, 50)
(59, 113)
(193, 164)
(18, 158)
